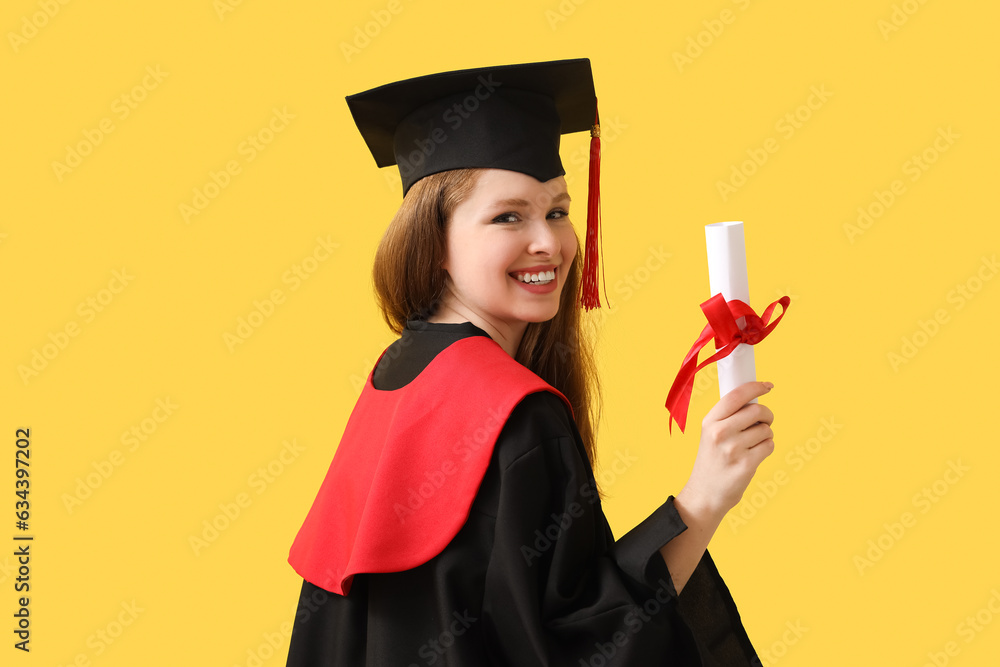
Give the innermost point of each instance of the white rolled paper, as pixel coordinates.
(727, 273)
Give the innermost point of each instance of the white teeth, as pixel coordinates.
(539, 278)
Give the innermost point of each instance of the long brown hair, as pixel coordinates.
(409, 283)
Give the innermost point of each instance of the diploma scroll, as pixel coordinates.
(727, 273)
(732, 323)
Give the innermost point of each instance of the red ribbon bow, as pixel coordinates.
(721, 315)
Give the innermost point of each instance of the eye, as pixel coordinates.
(503, 217)
(511, 216)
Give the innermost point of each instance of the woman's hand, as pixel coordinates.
(735, 437)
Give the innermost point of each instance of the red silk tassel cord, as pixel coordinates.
(589, 297)
(722, 316)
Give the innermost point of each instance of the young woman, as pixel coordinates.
(460, 522)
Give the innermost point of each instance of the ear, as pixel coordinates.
(446, 278)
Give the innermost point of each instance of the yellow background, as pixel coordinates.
(673, 130)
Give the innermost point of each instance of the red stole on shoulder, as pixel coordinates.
(409, 465)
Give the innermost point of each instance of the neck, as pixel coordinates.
(506, 334)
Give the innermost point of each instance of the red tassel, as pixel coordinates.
(589, 296)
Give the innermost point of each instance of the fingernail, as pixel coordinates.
(769, 385)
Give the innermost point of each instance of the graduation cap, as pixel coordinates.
(503, 117)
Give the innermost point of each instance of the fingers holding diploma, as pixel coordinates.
(736, 437)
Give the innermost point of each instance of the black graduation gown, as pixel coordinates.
(534, 577)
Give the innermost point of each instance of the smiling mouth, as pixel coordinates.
(537, 278)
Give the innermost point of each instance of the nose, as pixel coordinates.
(543, 240)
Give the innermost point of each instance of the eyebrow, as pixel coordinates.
(524, 202)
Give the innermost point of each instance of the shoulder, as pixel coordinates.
(540, 421)
(538, 449)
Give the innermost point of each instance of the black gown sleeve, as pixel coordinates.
(559, 590)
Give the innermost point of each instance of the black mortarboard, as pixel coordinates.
(503, 117)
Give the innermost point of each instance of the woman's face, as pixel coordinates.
(512, 228)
